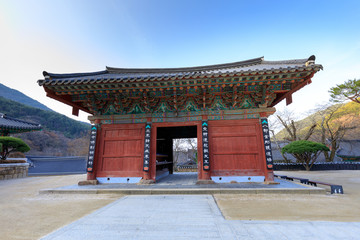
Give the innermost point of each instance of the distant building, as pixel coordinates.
(276, 152)
(185, 157)
(349, 150)
(9, 125)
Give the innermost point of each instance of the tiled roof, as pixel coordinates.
(252, 66)
(349, 148)
(8, 123)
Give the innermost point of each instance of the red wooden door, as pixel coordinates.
(236, 148)
(121, 150)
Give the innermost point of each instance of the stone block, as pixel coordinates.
(88, 182)
(146, 181)
(271, 183)
(205, 182)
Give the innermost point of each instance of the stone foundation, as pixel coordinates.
(13, 170)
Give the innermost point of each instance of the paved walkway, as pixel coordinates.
(179, 178)
(190, 217)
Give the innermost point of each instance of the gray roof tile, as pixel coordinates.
(252, 66)
(9, 123)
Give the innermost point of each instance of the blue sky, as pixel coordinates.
(80, 36)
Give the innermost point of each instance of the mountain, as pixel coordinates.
(19, 97)
(51, 121)
(61, 136)
(347, 114)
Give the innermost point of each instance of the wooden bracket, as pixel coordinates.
(288, 99)
(75, 111)
(204, 98)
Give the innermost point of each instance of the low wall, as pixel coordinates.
(318, 166)
(13, 170)
(187, 168)
(56, 165)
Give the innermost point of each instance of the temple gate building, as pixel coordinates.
(136, 113)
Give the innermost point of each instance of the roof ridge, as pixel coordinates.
(287, 61)
(187, 69)
(18, 120)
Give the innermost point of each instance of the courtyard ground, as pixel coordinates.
(26, 214)
(329, 207)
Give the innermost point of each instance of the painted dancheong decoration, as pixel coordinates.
(267, 143)
(90, 162)
(229, 99)
(205, 141)
(240, 90)
(147, 147)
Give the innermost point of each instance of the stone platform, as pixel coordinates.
(185, 183)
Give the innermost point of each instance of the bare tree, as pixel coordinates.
(183, 145)
(192, 145)
(294, 130)
(283, 154)
(332, 129)
(177, 148)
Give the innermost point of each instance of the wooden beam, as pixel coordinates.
(65, 99)
(306, 81)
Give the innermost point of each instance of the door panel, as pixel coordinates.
(235, 148)
(121, 151)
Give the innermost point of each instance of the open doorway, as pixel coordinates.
(168, 144)
(185, 154)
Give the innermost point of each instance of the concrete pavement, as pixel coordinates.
(190, 217)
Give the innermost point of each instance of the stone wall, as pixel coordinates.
(318, 166)
(13, 170)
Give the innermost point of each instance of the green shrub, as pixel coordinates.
(11, 144)
(305, 151)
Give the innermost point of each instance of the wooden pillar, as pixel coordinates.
(148, 150)
(202, 173)
(267, 152)
(92, 175)
(152, 173)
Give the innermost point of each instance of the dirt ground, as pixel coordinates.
(24, 214)
(329, 207)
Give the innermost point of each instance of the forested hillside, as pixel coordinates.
(51, 121)
(19, 97)
(61, 136)
(338, 115)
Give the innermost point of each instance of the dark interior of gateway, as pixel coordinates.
(164, 147)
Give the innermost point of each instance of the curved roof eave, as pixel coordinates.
(121, 74)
